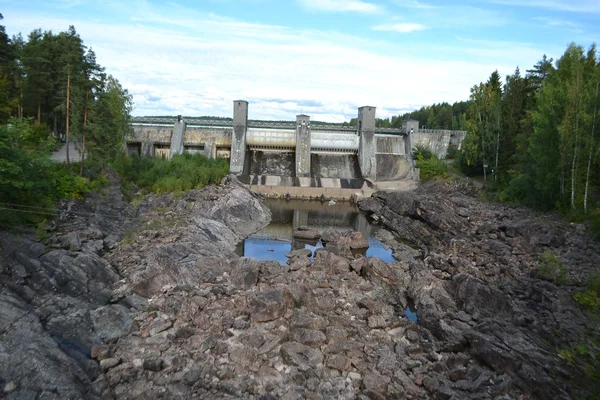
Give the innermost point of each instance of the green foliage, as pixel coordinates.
(431, 168)
(29, 181)
(422, 153)
(585, 354)
(552, 268)
(182, 173)
(41, 232)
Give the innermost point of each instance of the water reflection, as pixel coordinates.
(276, 240)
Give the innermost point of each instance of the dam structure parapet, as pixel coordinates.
(327, 158)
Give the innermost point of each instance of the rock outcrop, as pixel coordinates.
(172, 312)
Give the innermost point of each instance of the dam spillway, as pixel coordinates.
(303, 153)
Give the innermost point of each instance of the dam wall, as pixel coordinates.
(271, 163)
(437, 140)
(335, 166)
(300, 153)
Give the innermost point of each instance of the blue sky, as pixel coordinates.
(323, 58)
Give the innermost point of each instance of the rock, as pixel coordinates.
(299, 263)
(159, 325)
(354, 240)
(108, 363)
(301, 356)
(155, 364)
(306, 234)
(10, 387)
(376, 383)
(269, 305)
(300, 253)
(309, 337)
(377, 321)
(111, 322)
(245, 273)
(101, 352)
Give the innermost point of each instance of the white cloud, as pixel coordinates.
(554, 22)
(587, 6)
(414, 4)
(340, 5)
(198, 64)
(400, 27)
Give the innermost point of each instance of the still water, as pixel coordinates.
(276, 240)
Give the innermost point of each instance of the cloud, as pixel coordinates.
(414, 4)
(554, 22)
(400, 27)
(584, 6)
(340, 5)
(197, 64)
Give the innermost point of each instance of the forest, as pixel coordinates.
(53, 90)
(533, 137)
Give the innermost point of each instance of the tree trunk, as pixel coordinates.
(589, 165)
(497, 145)
(39, 113)
(67, 121)
(575, 150)
(85, 110)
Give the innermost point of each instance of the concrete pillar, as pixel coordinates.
(303, 146)
(238, 140)
(367, 146)
(177, 137)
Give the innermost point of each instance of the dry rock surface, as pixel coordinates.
(171, 312)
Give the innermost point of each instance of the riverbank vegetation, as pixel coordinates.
(429, 164)
(52, 92)
(184, 172)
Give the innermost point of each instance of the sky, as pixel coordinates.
(324, 58)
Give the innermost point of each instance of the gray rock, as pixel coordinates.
(269, 305)
(111, 322)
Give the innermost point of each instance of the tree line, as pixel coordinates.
(51, 87)
(54, 80)
(535, 137)
(436, 116)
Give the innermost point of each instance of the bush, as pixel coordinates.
(552, 268)
(431, 168)
(30, 182)
(422, 153)
(184, 172)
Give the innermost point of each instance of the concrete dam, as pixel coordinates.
(301, 158)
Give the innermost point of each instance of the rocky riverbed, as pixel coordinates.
(153, 303)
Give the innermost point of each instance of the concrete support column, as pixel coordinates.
(367, 145)
(303, 146)
(238, 140)
(177, 137)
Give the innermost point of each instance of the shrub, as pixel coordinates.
(431, 168)
(422, 152)
(552, 268)
(30, 183)
(182, 173)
